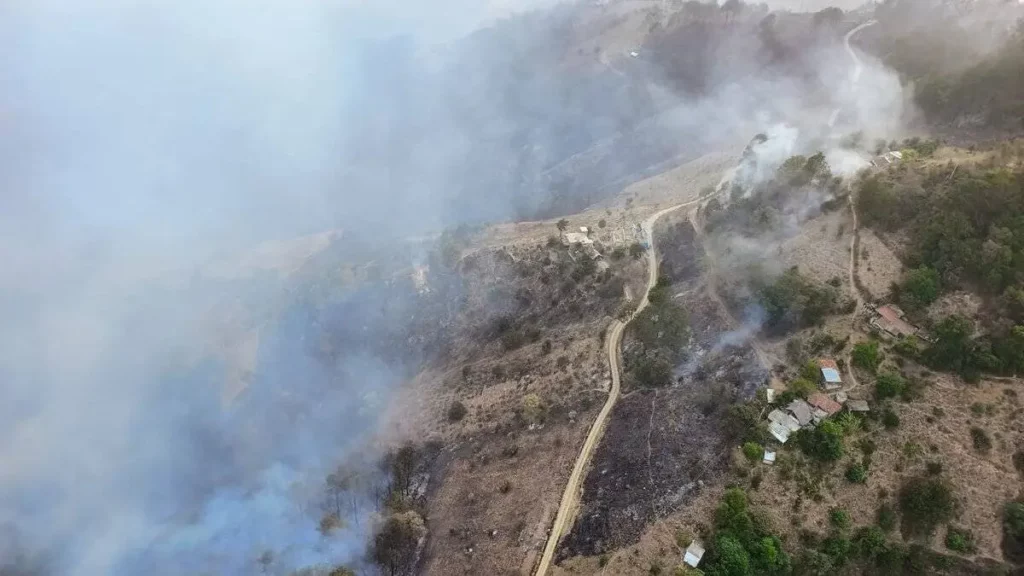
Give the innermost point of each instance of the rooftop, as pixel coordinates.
(831, 376)
(694, 552)
(822, 401)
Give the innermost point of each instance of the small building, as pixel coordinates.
(694, 552)
(824, 403)
(889, 319)
(785, 420)
(830, 377)
(779, 432)
(576, 238)
(801, 411)
(769, 457)
(858, 405)
(769, 394)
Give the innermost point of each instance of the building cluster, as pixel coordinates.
(800, 413)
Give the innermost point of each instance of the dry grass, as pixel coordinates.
(878, 267)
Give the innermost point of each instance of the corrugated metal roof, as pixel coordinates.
(694, 552)
(780, 432)
(831, 375)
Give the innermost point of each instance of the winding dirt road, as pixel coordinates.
(567, 507)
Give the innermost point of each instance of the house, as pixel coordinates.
(694, 552)
(801, 411)
(889, 319)
(769, 457)
(779, 432)
(858, 405)
(830, 377)
(785, 420)
(824, 403)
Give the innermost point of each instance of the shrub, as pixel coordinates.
(919, 289)
(532, 409)
(960, 540)
(823, 443)
(753, 451)
(456, 411)
(934, 468)
(981, 440)
(1013, 531)
(890, 419)
(636, 250)
(865, 355)
(869, 541)
(601, 223)
(839, 519)
(886, 517)
(802, 387)
(925, 502)
(889, 385)
(856, 474)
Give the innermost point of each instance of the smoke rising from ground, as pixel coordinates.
(140, 140)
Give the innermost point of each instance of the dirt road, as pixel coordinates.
(854, 241)
(570, 497)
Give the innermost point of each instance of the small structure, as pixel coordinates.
(779, 432)
(841, 397)
(801, 411)
(830, 377)
(785, 420)
(824, 403)
(858, 405)
(769, 393)
(889, 319)
(576, 238)
(584, 230)
(694, 552)
(769, 457)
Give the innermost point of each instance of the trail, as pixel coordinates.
(858, 67)
(567, 506)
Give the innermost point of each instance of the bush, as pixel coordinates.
(802, 387)
(869, 542)
(856, 474)
(1013, 531)
(886, 517)
(636, 250)
(824, 443)
(960, 540)
(890, 419)
(919, 289)
(925, 502)
(889, 385)
(865, 355)
(839, 519)
(981, 440)
(456, 411)
(532, 409)
(793, 301)
(753, 451)
(601, 223)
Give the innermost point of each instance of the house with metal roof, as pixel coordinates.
(694, 552)
(830, 377)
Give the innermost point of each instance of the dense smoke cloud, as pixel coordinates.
(138, 140)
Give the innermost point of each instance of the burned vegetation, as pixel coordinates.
(666, 435)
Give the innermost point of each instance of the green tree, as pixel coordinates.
(925, 503)
(919, 288)
(889, 385)
(1013, 531)
(802, 387)
(562, 225)
(394, 545)
(824, 443)
(753, 451)
(731, 559)
(865, 355)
